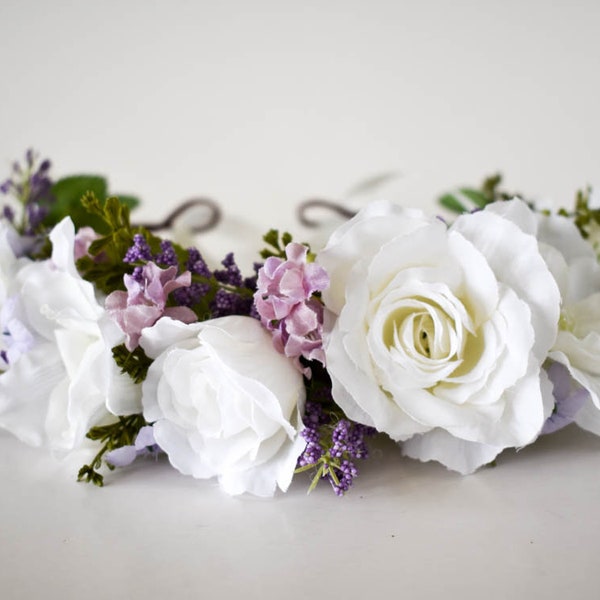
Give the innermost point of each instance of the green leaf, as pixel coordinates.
(316, 479)
(277, 247)
(451, 202)
(68, 193)
(331, 471)
(115, 435)
(135, 363)
(475, 196)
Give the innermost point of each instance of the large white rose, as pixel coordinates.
(573, 262)
(437, 334)
(63, 379)
(225, 403)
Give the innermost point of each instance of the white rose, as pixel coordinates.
(573, 262)
(225, 403)
(65, 379)
(437, 335)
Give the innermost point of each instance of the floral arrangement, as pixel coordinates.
(457, 338)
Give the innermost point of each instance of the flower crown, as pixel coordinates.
(456, 338)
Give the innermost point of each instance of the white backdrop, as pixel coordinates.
(260, 105)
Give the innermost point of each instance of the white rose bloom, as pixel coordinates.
(61, 383)
(437, 335)
(572, 260)
(225, 403)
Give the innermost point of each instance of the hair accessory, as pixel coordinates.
(459, 338)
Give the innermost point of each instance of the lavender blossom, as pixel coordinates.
(230, 302)
(167, 256)
(139, 252)
(231, 275)
(331, 448)
(32, 188)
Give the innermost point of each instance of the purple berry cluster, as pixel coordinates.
(225, 283)
(333, 447)
(228, 302)
(139, 252)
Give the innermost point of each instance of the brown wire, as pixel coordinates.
(331, 205)
(169, 220)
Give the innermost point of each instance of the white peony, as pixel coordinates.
(63, 379)
(437, 334)
(225, 403)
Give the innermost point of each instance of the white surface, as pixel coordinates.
(259, 105)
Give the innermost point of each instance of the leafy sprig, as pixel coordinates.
(584, 217)
(134, 363)
(104, 265)
(276, 244)
(68, 193)
(116, 435)
(467, 199)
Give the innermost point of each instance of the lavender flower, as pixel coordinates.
(167, 256)
(139, 252)
(32, 188)
(331, 448)
(231, 275)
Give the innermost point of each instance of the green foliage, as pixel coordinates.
(69, 192)
(134, 363)
(116, 435)
(275, 244)
(105, 268)
(583, 216)
(466, 199)
(452, 203)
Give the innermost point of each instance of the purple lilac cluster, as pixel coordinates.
(335, 446)
(286, 302)
(145, 301)
(32, 187)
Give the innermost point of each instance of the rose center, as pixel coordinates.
(423, 333)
